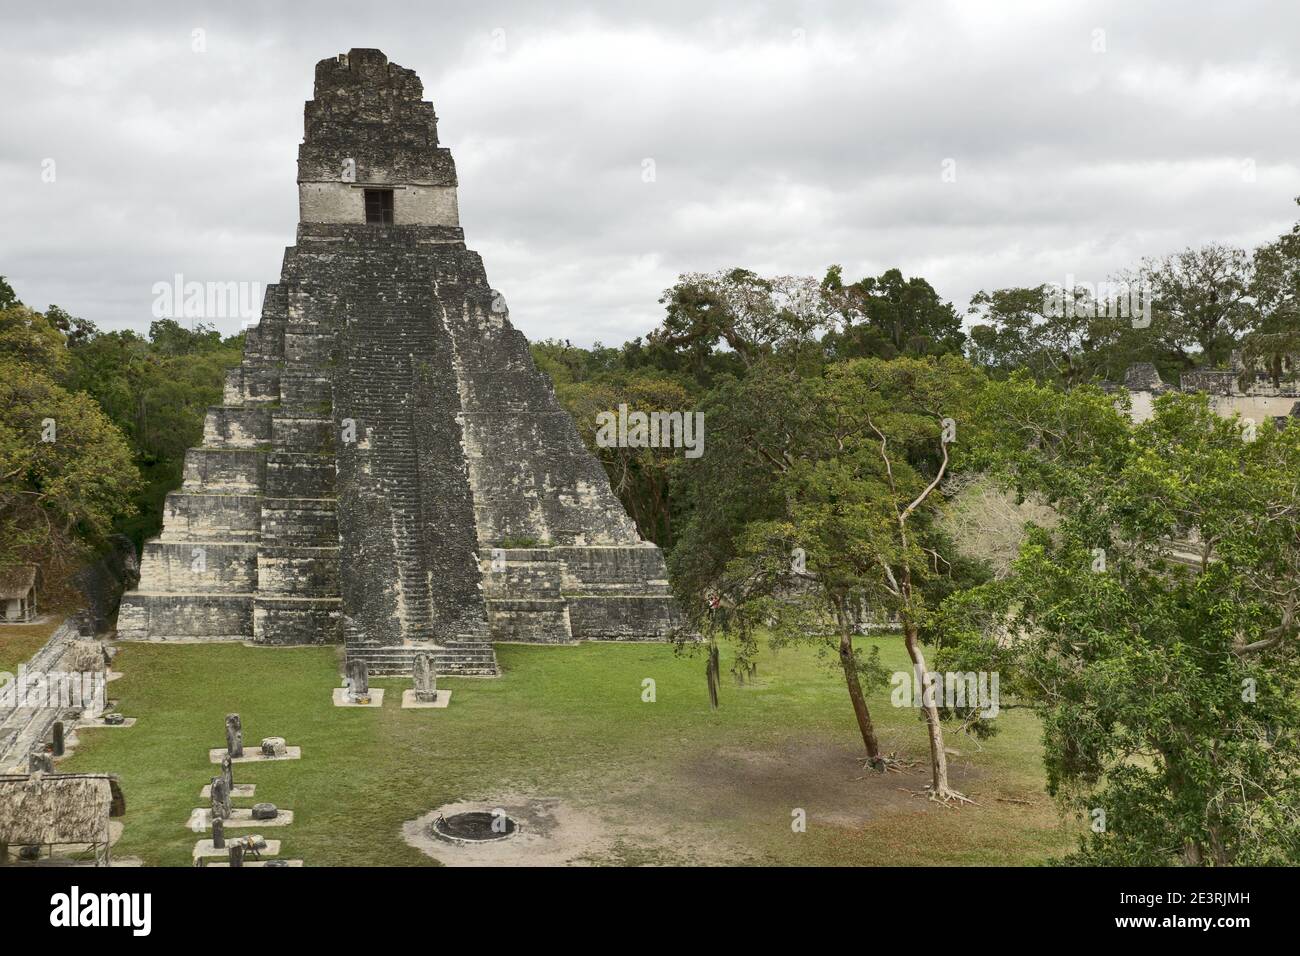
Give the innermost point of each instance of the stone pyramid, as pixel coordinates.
(388, 468)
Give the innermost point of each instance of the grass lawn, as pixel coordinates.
(664, 782)
(18, 642)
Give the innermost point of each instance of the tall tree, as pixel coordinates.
(1167, 674)
(65, 470)
(819, 496)
(754, 316)
(888, 315)
(1201, 301)
(1067, 336)
(1275, 289)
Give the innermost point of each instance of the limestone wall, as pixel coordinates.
(340, 202)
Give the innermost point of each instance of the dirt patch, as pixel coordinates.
(551, 833)
(825, 780)
(696, 813)
(555, 831)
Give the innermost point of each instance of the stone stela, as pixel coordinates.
(388, 468)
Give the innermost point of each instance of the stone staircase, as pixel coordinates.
(460, 659)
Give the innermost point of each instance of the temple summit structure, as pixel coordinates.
(388, 468)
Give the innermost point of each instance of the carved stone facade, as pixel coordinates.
(387, 435)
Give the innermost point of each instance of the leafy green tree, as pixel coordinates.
(1200, 302)
(1155, 627)
(887, 315)
(639, 476)
(65, 470)
(157, 392)
(1021, 329)
(753, 316)
(31, 339)
(818, 496)
(1275, 339)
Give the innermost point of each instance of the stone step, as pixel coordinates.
(471, 659)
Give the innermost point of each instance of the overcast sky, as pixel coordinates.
(784, 137)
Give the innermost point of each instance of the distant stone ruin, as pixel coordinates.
(1242, 388)
(388, 468)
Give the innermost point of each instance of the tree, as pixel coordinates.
(157, 393)
(31, 339)
(818, 495)
(1034, 330)
(65, 470)
(8, 298)
(1155, 627)
(1201, 301)
(886, 316)
(755, 317)
(639, 476)
(1275, 289)
(732, 566)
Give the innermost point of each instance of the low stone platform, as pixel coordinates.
(252, 755)
(244, 790)
(205, 850)
(254, 863)
(341, 698)
(410, 703)
(87, 724)
(239, 819)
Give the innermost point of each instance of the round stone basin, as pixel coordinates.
(474, 826)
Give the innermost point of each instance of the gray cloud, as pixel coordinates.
(785, 137)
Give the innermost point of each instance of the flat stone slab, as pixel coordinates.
(410, 703)
(341, 698)
(254, 755)
(240, 790)
(239, 819)
(87, 723)
(255, 862)
(113, 675)
(204, 849)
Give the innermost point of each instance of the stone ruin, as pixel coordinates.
(220, 799)
(234, 736)
(426, 679)
(388, 467)
(357, 680)
(1241, 388)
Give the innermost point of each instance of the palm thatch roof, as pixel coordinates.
(58, 808)
(17, 582)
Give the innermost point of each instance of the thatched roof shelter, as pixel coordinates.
(18, 594)
(17, 582)
(50, 809)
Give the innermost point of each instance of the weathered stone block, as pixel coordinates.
(224, 470)
(199, 566)
(189, 516)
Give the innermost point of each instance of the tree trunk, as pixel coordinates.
(849, 663)
(938, 758)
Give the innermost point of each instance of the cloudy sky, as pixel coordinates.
(784, 137)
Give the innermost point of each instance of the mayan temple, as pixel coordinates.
(388, 468)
